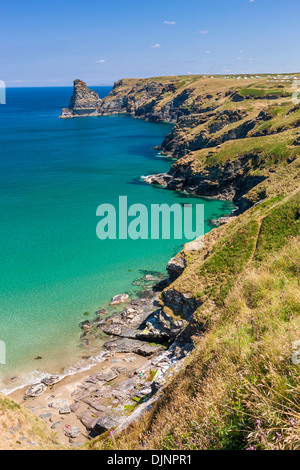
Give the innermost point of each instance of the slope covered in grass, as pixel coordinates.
(21, 430)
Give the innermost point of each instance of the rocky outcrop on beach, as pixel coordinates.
(84, 102)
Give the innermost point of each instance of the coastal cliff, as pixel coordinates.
(215, 343)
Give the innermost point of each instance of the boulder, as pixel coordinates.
(85, 325)
(45, 415)
(51, 380)
(65, 410)
(58, 404)
(101, 312)
(56, 425)
(66, 113)
(119, 299)
(73, 432)
(36, 390)
(131, 311)
(105, 424)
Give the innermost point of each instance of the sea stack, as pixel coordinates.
(84, 102)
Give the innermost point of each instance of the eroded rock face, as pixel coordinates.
(175, 266)
(141, 101)
(83, 97)
(84, 101)
(88, 418)
(229, 180)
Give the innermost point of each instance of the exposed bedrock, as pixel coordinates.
(83, 102)
(230, 180)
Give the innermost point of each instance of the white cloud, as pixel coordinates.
(203, 32)
(101, 61)
(169, 22)
(155, 46)
(20, 81)
(207, 51)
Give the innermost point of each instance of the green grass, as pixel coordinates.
(227, 261)
(262, 93)
(282, 223)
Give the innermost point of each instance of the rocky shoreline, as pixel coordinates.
(144, 348)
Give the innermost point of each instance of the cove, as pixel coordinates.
(54, 173)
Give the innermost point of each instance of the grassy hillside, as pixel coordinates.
(240, 388)
(21, 430)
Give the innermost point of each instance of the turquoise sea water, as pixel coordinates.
(54, 173)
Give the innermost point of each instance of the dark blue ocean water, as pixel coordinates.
(54, 173)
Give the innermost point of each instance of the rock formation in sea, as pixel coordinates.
(84, 102)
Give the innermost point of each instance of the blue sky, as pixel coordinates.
(50, 43)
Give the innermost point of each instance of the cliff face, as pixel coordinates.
(147, 99)
(229, 135)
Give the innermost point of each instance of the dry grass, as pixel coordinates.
(21, 430)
